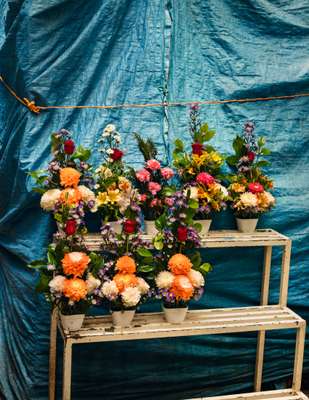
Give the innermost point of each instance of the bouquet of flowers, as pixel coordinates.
(152, 181)
(116, 198)
(249, 186)
(66, 184)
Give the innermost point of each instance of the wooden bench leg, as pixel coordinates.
(52, 355)
(299, 357)
(67, 370)
(284, 284)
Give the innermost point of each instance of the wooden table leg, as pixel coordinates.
(67, 370)
(261, 335)
(52, 355)
(299, 357)
(286, 257)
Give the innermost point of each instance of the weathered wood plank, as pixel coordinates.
(286, 394)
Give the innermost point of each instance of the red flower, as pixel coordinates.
(70, 227)
(69, 146)
(197, 148)
(251, 155)
(129, 226)
(182, 233)
(205, 179)
(117, 154)
(255, 187)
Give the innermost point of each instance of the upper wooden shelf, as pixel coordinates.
(216, 239)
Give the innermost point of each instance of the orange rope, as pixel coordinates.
(36, 109)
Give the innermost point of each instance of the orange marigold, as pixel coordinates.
(75, 263)
(124, 281)
(179, 264)
(70, 196)
(75, 289)
(69, 177)
(126, 265)
(182, 288)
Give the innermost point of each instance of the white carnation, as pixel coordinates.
(143, 286)
(196, 278)
(57, 283)
(131, 297)
(92, 283)
(49, 199)
(109, 290)
(87, 194)
(248, 199)
(164, 280)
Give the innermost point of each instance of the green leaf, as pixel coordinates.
(232, 160)
(160, 222)
(261, 141)
(158, 242)
(168, 191)
(196, 259)
(205, 268)
(81, 153)
(197, 226)
(206, 133)
(37, 264)
(179, 145)
(262, 163)
(192, 203)
(144, 252)
(238, 145)
(265, 151)
(42, 285)
(146, 268)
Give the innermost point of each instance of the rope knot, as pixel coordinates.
(31, 105)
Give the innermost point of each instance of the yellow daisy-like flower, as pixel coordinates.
(113, 196)
(102, 198)
(216, 157)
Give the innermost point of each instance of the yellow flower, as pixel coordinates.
(102, 198)
(216, 157)
(191, 171)
(124, 184)
(238, 188)
(113, 195)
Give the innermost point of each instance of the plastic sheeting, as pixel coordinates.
(112, 52)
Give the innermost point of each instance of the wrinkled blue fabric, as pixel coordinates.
(112, 52)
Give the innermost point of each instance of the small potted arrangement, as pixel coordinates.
(66, 184)
(152, 182)
(68, 279)
(249, 186)
(179, 268)
(200, 170)
(114, 190)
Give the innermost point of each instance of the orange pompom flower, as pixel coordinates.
(75, 289)
(75, 263)
(124, 281)
(70, 196)
(179, 264)
(69, 177)
(126, 265)
(182, 288)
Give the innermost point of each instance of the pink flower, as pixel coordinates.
(205, 179)
(169, 201)
(255, 187)
(153, 165)
(142, 197)
(167, 173)
(154, 187)
(154, 202)
(143, 175)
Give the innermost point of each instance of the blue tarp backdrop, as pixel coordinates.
(120, 51)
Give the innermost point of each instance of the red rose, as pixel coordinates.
(69, 146)
(251, 155)
(205, 179)
(255, 187)
(70, 227)
(197, 148)
(117, 154)
(182, 233)
(129, 226)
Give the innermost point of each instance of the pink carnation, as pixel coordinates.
(142, 197)
(169, 201)
(154, 202)
(154, 188)
(143, 175)
(255, 187)
(153, 165)
(167, 173)
(205, 179)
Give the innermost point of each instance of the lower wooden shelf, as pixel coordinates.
(287, 394)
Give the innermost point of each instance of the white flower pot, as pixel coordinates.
(246, 225)
(175, 315)
(205, 226)
(122, 318)
(72, 322)
(116, 226)
(150, 228)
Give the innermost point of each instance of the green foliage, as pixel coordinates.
(81, 153)
(146, 147)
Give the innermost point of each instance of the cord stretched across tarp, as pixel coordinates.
(114, 52)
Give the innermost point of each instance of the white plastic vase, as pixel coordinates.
(246, 225)
(72, 322)
(175, 315)
(122, 318)
(205, 225)
(150, 228)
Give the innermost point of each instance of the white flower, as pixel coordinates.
(110, 128)
(164, 280)
(196, 278)
(247, 199)
(131, 296)
(92, 283)
(49, 199)
(109, 151)
(109, 290)
(87, 194)
(223, 190)
(105, 134)
(193, 192)
(143, 286)
(57, 283)
(117, 138)
(270, 198)
(123, 202)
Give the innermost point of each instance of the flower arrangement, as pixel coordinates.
(249, 186)
(66, 184)
(152, 181)
(116, 198)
